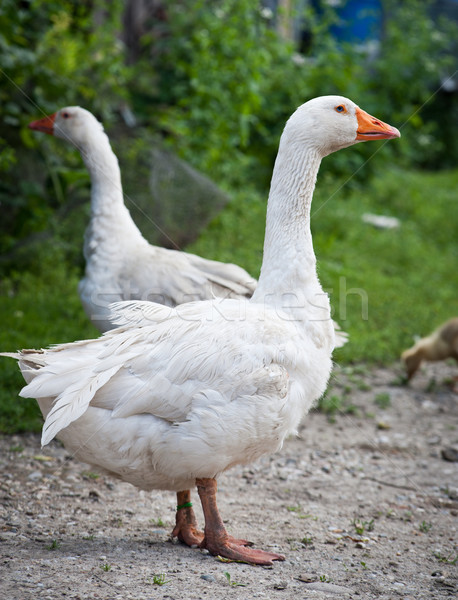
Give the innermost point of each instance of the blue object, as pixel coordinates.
(360, 21)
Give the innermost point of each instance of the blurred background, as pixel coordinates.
(194, 95)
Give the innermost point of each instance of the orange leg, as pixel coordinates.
(216, 539)
(186, 524)
(185, 521)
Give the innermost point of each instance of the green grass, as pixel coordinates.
(38, 309)
(382, 400)
(408, 275)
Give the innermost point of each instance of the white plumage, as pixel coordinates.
(174, 396)
(197, 397)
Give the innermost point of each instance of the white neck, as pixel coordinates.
(288, 273)
(102, 164)
(109, 215)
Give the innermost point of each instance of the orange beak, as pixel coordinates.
(370, 128)
(46, 124)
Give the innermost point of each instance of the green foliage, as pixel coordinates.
(159, 579)
(54, 49)
(230, 82)
(307, 540)
(40, 308)
(218, 62)
(449, 559)
(55, 545)
(331, 405)
(216, 79)
(231, 581)
(424, 526)
(362, 526)
(382, 400)
(52, 54)
(415, 55)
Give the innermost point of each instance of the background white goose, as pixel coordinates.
(120, 263)
(175, 396)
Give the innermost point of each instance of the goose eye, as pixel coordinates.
(340, 108)
(65, 115)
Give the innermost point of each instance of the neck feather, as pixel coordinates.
(111, 226)
(103, 167)
(288, 277)
(108, 211)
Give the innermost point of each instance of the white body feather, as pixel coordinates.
(159, 410)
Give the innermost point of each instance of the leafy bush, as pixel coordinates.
(215, 78)
(231, 82)
(52, 55)
(218, 60)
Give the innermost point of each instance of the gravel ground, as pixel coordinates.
(363, 505)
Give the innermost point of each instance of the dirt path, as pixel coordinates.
(362, 507)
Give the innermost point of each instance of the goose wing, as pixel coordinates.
(173, 364)
(171, 277)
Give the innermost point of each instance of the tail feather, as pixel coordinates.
(73, 402)
(15, 355)
(341, 337)
(72, 383)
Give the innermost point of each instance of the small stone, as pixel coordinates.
(432, 441)
(450, 453)
(280, 585)
(208, 578)
(360, 545)
(383, 440)
(35, 475)
(329, 588)
(307, 577)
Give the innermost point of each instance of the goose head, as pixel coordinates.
(72, 123)
(330, 123)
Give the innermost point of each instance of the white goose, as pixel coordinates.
(175, 396)
(120, 263)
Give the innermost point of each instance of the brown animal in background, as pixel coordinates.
(441, 344)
